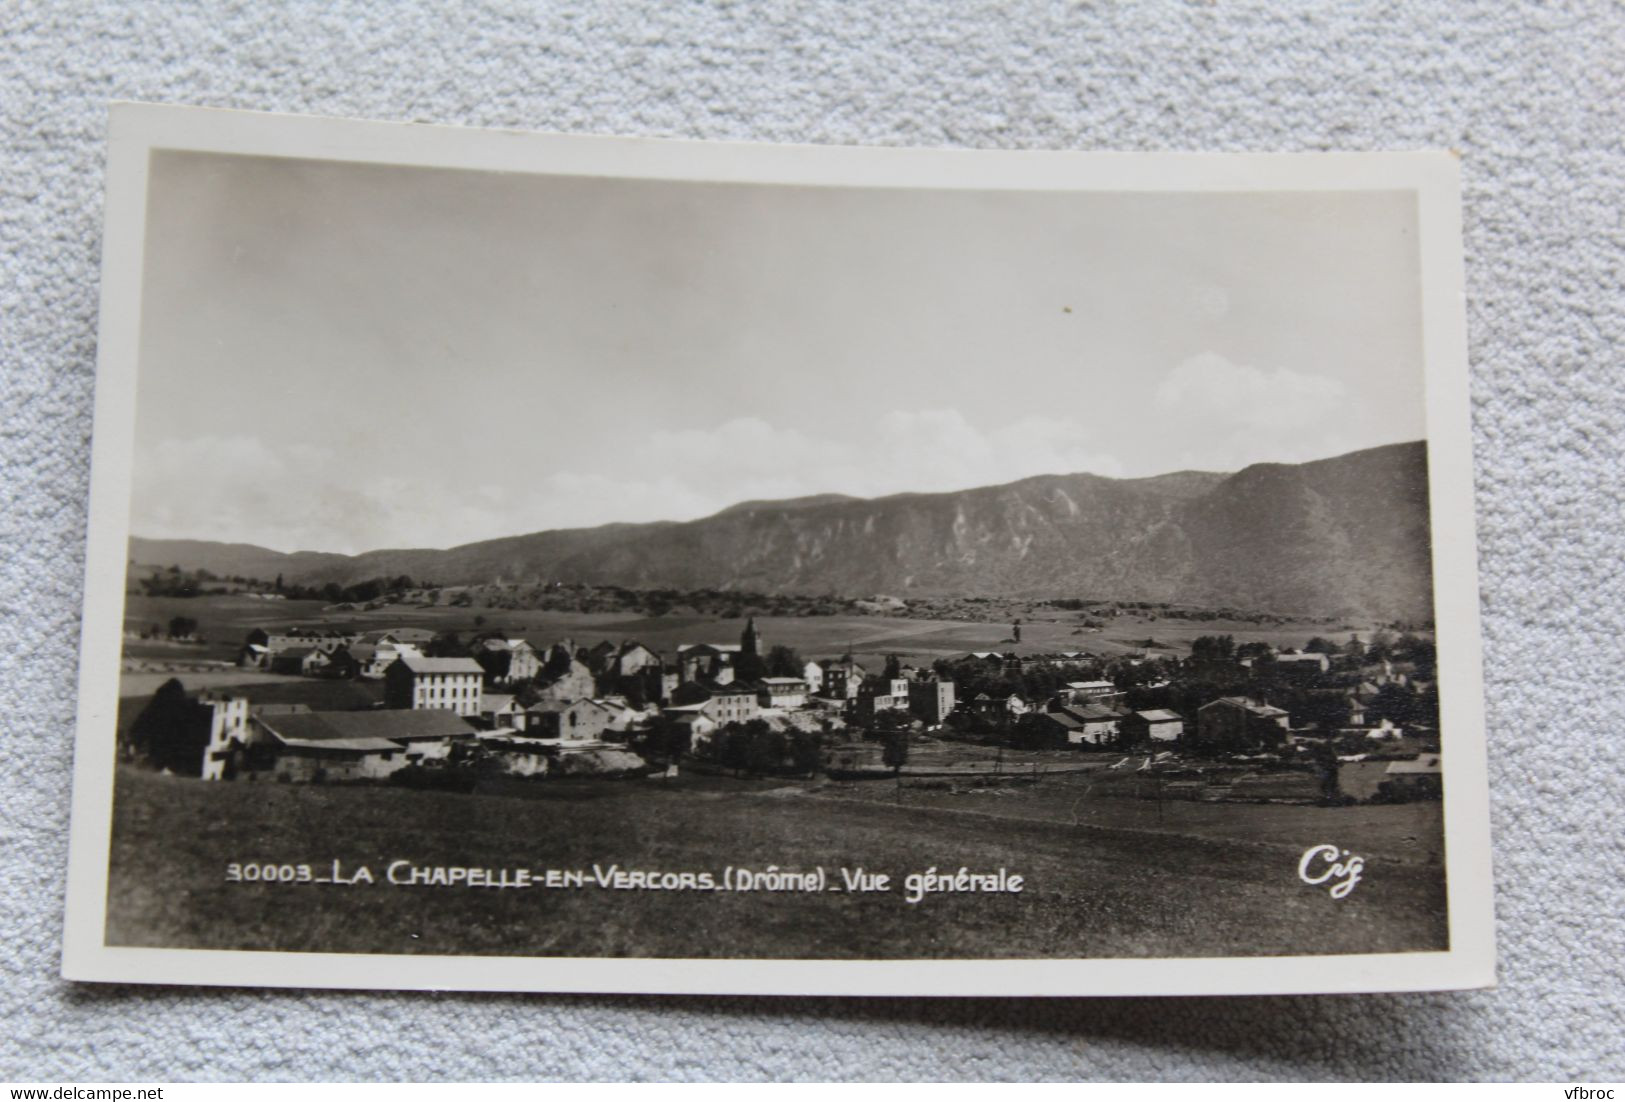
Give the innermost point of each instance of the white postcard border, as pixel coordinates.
(136, 130)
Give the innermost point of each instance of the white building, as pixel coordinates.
(782, 692)
(228, 730)
(452, 684)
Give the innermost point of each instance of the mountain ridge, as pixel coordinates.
(1344, 534)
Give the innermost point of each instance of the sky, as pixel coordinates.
(344, 357)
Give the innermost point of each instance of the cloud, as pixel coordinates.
(1206, 413)
(239, 488)
(1219, 415)
(302, 497)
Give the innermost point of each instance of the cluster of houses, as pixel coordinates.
(541, 709)
(538, 709)
(1343, 687)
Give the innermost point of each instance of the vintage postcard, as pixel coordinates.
(534, 562)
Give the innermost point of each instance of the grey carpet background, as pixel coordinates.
(1531, 96)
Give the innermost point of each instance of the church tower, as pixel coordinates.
(750, 640)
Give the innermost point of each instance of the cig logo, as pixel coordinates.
(1327, 864)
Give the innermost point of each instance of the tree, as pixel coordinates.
(735, 748)
(1034, 731)
(1325, 709)
(1381, 645)
(1417, 649)
(895, 752)
(1015, 631)
(1326, 768)
(678, 740)
(664, 740)
(764, 749)
(1395, 703)
(1425, 707)
(1317, 645)
(1213, 650)
(445, 644)
(495, 662)
(168, 733)
(894, 667)
(784, 661)
(892, 719)
(806, 751)
(182, 626)
(749, 667)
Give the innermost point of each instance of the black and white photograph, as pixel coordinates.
(532, 562)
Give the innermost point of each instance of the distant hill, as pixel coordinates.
(237, 559)
(1343, 535)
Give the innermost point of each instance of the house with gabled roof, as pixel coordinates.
(1152, 725)
(302, 660)
(412, 637)
(501, 710)
(507, 660)
(1419, 778)
(1307, 665)
(1097, 723)
(1239, 722)
(565, 677)
(732, 703)
(842, 679)
(567, 720)
(1061, 727)
(632, 658)
(706, 661)
(454, 684)
(781, 692)
(302, 745)
(1091, 690)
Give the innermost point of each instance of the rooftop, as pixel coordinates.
(419, 664)
(394, 723)
(1094, 713)
(362, 745)
(1249, 704)
(1427, 763)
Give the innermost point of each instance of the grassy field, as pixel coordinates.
(251, 682)
(1411, 834)
(224, 621)
(1114, 884)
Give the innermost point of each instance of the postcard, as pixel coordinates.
(538, 562)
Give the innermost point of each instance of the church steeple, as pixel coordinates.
(750, 640)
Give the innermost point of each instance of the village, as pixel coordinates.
(1330, 722)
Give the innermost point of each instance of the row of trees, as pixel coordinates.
(972, 677)
(175, 582)
(180, 627)
(756, 748)
(752, 748)
(356, 593)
